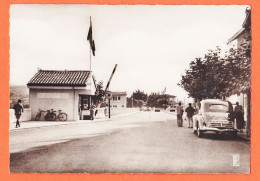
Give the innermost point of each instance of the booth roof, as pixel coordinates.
(59, 78)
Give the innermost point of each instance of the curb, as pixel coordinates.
(72, 122)
(244, 136)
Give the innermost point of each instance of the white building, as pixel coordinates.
(118, 100)
(69, 91)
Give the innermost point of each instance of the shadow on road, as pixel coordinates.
(221, 137)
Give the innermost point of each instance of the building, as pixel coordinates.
(242, 37)
(69, 91)
(242, 41)
(171, 99)
(118, 100)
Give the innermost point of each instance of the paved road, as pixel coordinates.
(147, 142)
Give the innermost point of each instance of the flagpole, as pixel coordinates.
(90, 50)
(90, 68)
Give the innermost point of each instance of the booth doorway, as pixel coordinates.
(84, 104)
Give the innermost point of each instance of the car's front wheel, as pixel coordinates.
(194, 129)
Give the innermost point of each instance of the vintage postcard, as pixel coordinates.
(152, 89)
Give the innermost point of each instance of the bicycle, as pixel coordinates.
(50, 116)
(62, 116)
(39, 114)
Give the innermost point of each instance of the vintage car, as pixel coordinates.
(214, 115)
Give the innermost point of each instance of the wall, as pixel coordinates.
(243, 40)
(26, 115)
(46, 99)
(115, 111)
(120, 102)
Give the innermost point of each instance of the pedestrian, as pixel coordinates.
(92, 112)
(179, 115)
(96, 111)
(190, 112)
(239, 115)
(18, 109)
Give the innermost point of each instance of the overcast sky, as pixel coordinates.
(152, 45)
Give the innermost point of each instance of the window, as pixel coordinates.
(218, 108)
(114, 98)
(123, 106)
(84, 102)
(118, 98)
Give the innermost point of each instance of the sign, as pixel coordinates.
(109, 95)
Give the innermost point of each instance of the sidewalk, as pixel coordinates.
(243, 135)
(38, 124)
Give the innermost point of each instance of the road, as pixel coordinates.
(146, 142)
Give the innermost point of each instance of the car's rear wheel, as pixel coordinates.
(199, 132)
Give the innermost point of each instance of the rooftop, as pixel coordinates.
(118, 93)
(59, 78)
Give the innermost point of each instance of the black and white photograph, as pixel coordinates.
(158, 89)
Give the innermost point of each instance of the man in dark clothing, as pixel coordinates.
(239, 115)
(18, 109)
(190, 112)
(179, 115)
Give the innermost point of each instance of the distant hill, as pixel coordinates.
(19, 92)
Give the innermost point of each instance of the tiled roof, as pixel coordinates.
(59, 78)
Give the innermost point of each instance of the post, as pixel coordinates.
(90, 55)
(248, 126)
(132, 102)
(109, 108)
(165, 102)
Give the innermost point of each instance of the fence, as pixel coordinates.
(103, 112)
(115, 111)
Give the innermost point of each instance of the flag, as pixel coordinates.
(164, 90)
(90, 39)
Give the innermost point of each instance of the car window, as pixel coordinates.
(217, 108)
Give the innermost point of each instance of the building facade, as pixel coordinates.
(69, 91)
(242, 42)
(118, 100)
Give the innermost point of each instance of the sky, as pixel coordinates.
(152, 44)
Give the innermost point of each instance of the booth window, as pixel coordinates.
(85, 102)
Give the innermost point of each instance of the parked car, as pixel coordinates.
(214, 115)
(146, 108)
(157, 110)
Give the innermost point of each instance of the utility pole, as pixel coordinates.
(109, 108)
(165, 101)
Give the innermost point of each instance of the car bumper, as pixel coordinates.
(219, 129)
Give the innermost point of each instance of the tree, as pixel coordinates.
(216, 77)
(152, 100)
(139, 95)
(157, 100)
(129, 102)
(99, 94)
(206, 77)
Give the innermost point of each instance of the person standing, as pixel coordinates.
(92, 113)
(239, 115)
(190, 112)
(18, 109)
(179, 115)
